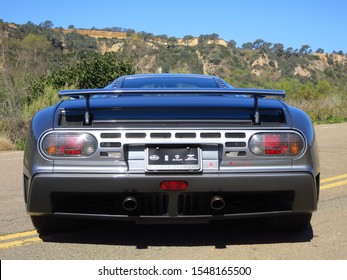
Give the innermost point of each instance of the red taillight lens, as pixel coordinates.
(276, 144)
(69, 144)
(272, 144)
(173, 185)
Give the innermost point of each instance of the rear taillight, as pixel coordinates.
(69, 144)
(276, 144)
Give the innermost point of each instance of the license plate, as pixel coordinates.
(173, 159)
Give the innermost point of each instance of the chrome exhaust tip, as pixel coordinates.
(217, 203)
(130, 203)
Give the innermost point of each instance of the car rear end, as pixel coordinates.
(174, 159)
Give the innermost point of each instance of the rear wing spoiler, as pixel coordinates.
(87, 93)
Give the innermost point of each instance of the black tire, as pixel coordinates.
(294, 222)
(46, 224)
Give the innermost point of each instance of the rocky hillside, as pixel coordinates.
(215, 56)
(206, 54)
(211, 55)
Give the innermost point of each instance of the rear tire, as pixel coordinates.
(294, 222)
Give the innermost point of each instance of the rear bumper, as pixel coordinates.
(101, 195)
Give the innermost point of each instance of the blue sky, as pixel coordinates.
(319, 24)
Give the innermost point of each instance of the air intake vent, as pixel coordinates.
(235, 202)
(116, 83)
(151, 204)
(222, 83)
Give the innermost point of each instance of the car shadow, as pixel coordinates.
(219, 234)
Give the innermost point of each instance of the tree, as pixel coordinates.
(33, 54)
(146, 36)
(130, 32)
(247, 46)
(304, 49)
(99, 70)
(47, 24)
(257, 44)
(188, 37)
(80, 44)
(172, 40)
(320, 50)
(24, 30)
(288, 52)
(232, 44)
(265, 47)
(214, 36)
(90, 72)
(203, 38)
(162, 37)
(278, 49)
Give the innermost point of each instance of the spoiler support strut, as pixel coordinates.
(256, 110)
(87, 114)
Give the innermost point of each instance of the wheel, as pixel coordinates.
(294, 222)
(46, 224)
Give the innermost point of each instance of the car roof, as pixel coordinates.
(169, 80)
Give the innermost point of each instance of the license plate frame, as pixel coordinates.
(173, 159)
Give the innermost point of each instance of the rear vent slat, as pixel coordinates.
(235, 144)
(210, 135)
(135, 135)
(235, 135)
(160, 135)
(185, 135)
(110, 144)
(111, 135)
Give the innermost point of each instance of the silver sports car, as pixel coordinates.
(171, 148)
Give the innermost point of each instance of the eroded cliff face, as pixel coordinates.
(98, 33)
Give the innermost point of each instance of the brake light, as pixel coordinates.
(69, 144)
(276, 144)
(272, 144)
(173, 185)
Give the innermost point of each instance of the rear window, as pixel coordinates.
(169, 82)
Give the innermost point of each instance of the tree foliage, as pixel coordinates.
(90, 72)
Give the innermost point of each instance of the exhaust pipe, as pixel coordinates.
(129, 203)
(217, 203)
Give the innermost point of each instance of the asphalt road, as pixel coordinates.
(240, 239)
